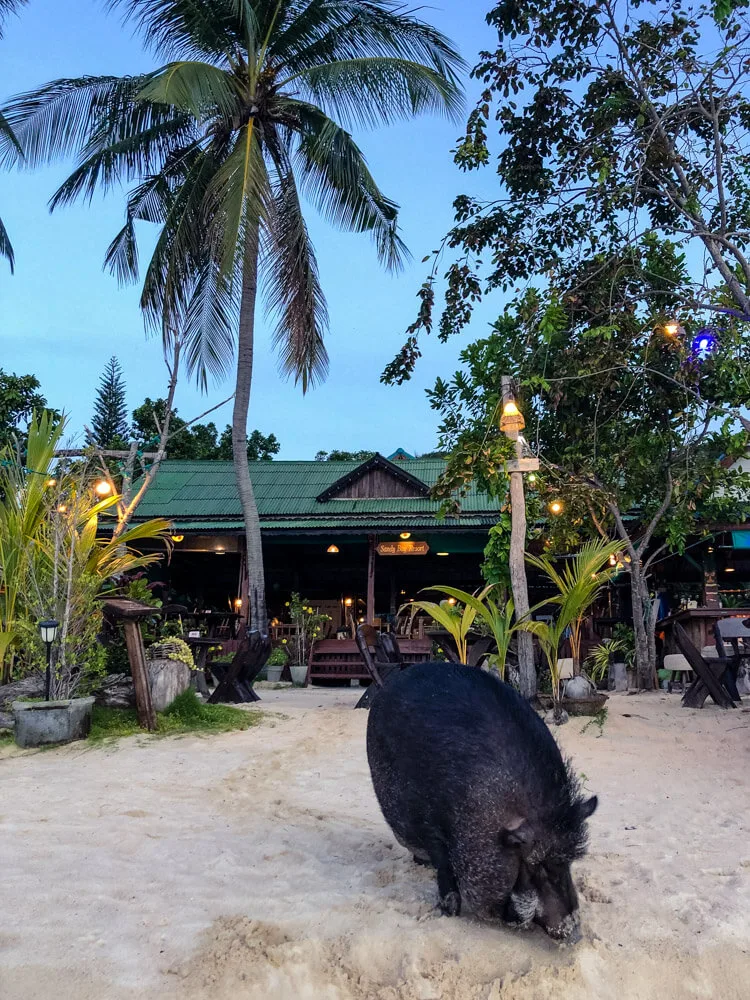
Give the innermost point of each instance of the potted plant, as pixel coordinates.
(275, 663)
(308, 626)
(625, 635)
(578, 585)
(603, 663)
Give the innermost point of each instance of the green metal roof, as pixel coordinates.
(202, 496)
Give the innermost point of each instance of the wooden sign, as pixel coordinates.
(403, 549)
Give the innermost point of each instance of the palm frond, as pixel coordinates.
(6, 247)
(9, 7)
(186, 27)
(107, 161)
(238, 195)
(197, 88)
(376, 91)
(335, 176)
(58, 119)
(292, 288)
(322, 31)
(209, 326)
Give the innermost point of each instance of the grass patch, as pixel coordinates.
(186, 714)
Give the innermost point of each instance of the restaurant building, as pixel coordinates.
(357, 539)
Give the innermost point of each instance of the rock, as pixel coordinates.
(28, 687)
(167, 678)
(7, 721)
(116, 691)
(618, 677)
(579, 688)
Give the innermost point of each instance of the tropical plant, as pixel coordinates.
(457, 620)
(600, 658)
(56, 555)
(578, 585)
(251, 113)
(496, 617)
(23, 508)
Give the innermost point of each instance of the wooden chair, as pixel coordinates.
(735, 633)
(710, 675)
(386, 661)
(236, 682)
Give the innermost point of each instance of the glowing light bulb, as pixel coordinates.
(103, 488)
(556, 507)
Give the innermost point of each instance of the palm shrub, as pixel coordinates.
(251, 112)
(578, 585)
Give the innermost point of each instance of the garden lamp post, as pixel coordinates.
(511, 424)
(48, 632)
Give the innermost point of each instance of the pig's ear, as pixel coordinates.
(588, 807)
(518, 833)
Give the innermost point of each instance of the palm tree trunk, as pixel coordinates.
(256, 589)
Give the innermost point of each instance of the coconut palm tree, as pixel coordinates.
(250, 115)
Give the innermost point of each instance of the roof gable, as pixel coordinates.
(376, 479)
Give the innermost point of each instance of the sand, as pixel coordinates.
(256, 866)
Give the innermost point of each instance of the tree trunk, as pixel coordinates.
(652, 612)
(256, 586)
(643, 665)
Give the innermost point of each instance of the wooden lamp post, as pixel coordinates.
(511, 424)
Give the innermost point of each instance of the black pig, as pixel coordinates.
(470, 780)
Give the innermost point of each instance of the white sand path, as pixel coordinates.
(256, 866)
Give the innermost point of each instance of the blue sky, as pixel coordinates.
(62, 317)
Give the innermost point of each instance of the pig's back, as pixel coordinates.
(442, 736)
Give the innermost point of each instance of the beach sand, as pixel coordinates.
(257, 866)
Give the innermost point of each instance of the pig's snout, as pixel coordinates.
(567, 931)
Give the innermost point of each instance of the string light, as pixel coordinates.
(103, 488)
(556, 507)
(704, 342)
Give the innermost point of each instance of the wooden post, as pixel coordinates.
(137, 657)
(370, 617)
(517, 564)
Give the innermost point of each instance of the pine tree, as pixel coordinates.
(109, 423)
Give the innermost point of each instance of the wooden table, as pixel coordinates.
(699, 625)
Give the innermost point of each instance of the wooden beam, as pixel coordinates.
(137, 657)
(371, 580)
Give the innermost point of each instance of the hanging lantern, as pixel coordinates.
(512, 419)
